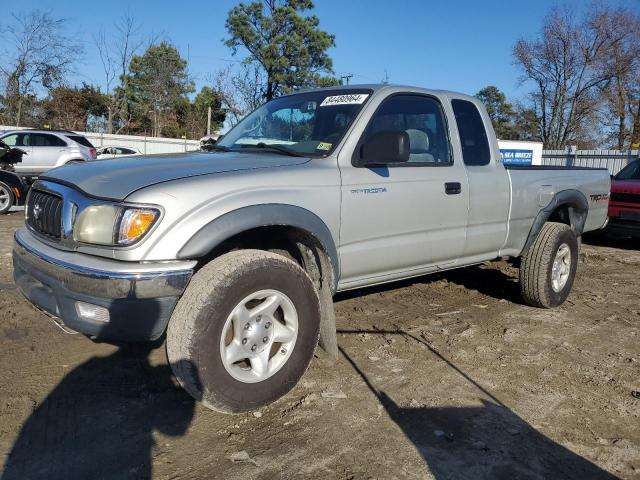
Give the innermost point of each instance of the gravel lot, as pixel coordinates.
(447, 376)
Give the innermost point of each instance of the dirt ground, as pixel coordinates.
(447, 376)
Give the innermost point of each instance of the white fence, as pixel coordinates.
(145, 145)
(613, 160)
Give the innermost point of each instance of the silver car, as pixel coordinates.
(116, 151)
(47, 149)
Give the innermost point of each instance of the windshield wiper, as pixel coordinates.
(275, 148)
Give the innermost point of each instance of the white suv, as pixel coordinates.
(47, 149)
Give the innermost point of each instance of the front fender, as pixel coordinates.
(247, 218)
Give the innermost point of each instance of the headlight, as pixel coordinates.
(113, 225)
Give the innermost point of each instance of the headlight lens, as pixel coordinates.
(113, 225)
(96, 224)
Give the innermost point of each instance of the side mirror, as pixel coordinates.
(385, 147)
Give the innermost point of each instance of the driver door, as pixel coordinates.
(403, 219)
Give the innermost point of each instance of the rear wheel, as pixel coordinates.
(244, 331)
(548, 267)
(7, 198)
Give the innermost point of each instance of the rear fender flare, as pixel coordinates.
(578, 210)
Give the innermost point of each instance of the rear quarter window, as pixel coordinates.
(81, 140)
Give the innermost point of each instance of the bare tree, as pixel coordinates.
(39, 54)
(105, 52)
(621, 94)
(115, 52)
(240, 90)
(564, 63)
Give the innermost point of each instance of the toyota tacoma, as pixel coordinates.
(236, 253)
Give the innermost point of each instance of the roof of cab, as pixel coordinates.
(392, 88)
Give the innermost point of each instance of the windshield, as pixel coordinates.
(630, 172)
(309, 123)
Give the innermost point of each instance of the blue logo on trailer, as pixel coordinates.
(516, 157)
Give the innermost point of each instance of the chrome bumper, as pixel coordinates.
(139, 297)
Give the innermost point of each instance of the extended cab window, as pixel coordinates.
(473, 136)
(422, 119)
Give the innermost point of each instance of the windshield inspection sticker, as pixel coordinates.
(350, 99)
(324, 146)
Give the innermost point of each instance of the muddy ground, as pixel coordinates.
(447, 376)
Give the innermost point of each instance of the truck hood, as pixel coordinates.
(625, 186)
(120, 177)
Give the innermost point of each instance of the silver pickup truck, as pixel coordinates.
(236, 253)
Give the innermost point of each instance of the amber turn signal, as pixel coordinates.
(135, 222)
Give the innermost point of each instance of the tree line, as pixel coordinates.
(583, 73)
(148, 88)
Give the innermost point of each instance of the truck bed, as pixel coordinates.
(533, 187)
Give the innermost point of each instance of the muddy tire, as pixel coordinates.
(7, 199)
(244, 331)
(548, 267)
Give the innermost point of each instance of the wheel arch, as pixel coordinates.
(568, 206)
(256, 223)
(14, 182)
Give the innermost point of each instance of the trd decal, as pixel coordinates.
(601, 197)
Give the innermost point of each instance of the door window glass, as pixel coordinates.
(422, 119)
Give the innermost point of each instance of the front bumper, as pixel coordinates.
(619, 226)
(139, 297)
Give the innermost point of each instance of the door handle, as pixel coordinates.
(452, 188)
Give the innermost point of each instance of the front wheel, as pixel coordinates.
(548, 267)
(7, 198)
(244, 331)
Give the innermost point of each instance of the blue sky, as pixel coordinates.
(458, 45)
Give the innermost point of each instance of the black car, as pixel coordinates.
(13, 187)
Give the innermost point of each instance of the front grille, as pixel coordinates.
(625, 197)
(44, 214)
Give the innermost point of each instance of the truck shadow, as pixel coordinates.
(488, 441)
(99, 421)
(612, 240)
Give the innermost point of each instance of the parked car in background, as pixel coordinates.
(207, 142)
(13, 187)
(116, 152)
(47, 149)
(624, 205)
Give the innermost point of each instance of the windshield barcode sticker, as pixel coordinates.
(350, 99)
